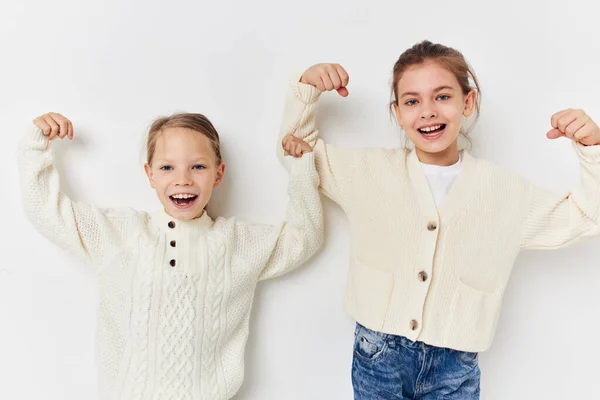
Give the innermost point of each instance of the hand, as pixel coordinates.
(327, 77)
(576, 125)
(295, 147)
(54, 125)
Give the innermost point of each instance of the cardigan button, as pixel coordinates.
(173, 243)
(173, 262)
(423, 276)
(432, 226)
(414, 325)
(171, 224)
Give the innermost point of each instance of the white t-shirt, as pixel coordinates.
(441, 178)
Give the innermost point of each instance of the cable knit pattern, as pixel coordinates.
(433, 274)
(140, 319)
(176, 336)
(212, 318)
(171, 331)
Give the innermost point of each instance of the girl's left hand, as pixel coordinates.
(576, 125)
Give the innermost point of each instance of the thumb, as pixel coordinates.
(554, 134)
(342, 91)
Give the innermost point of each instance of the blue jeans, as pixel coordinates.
(389, 367)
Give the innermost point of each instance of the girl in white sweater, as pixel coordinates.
(176, 287)
(434, 231)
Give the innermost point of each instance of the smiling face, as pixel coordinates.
(430, 108)
(184, 170)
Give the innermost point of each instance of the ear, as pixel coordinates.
(470, 101)
(220, 174)
(149, 174)
(397, 113)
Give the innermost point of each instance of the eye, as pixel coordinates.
(411, 102)
(443, 97)
(198, 166)
(166, 168)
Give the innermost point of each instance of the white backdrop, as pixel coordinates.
(113, 65)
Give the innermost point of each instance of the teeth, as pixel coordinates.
(183, 196)
(431, 128)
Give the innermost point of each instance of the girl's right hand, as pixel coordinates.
(54, 125)
(292, 146)
(327, 77)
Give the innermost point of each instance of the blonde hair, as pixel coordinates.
(195, 122)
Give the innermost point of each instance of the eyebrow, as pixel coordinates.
(437, 89)
(197, 160)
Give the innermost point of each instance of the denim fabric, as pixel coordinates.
(389, 367)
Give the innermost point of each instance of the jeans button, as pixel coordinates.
(414, 325)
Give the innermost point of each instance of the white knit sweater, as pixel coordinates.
(429, 274)
(171, 332)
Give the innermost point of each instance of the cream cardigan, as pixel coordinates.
(429, 274)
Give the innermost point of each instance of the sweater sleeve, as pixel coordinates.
(277, 249)
(81, 229)
(554, 221)
(333, 165)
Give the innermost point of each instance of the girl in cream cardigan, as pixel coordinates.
(434, 231)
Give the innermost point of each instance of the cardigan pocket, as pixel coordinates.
(474, 318)
(368, 294)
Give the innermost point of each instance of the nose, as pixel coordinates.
(184, 178)
(428, 110)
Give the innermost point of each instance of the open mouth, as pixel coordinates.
(432, 132)
(183, 200)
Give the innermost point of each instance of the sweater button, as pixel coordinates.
(171, 224)
(432, 226)
(414, 325)
(423, 276)
(173, 243)
(173, 262)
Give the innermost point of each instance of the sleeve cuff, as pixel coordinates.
(589, 154)
(304, 167)
(307, 94)
(35, 139)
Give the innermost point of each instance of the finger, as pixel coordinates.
(327, 84)
(306, 148)
(42, 125)
(315, 80)
(63, 125)
(290, 147)
(286, 153)
(343, 92)
(290, 150)
(70, 130)
(565, 121)
(554, 134)
(584, 132)
(576, 125)
(287, 140)
(343, 75)
(302, 148)
(295, 150)
(54, 128)
(554, 119)
(335, 78)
